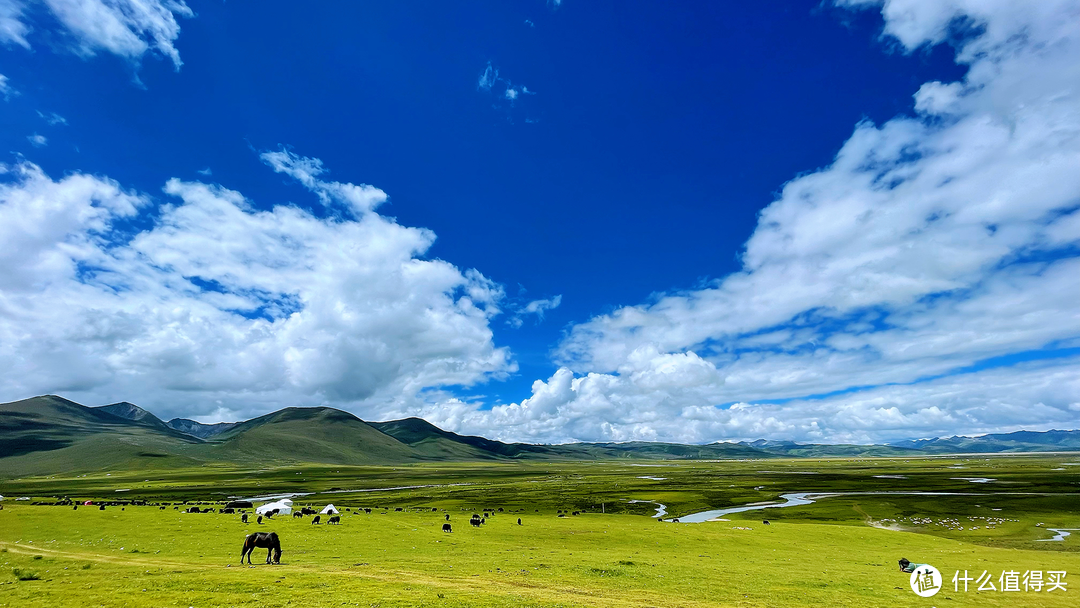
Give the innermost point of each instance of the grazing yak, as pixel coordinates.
(243, 518)
(447, 517)
(336, 519)
(262, 540)
(519, 521)
(259, 521)
(446, 528)
(297, 514)
(474, 521)
(766, 522)
(315, 520)
(367, 510)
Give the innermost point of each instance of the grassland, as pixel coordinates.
(837, 551)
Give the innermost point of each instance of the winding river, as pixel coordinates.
(806, 498)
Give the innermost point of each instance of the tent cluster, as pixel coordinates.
(285, 507)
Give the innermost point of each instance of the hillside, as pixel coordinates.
(50, 434)
(433, 442)
(316, 434)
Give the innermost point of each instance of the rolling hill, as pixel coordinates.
(50, 434)
(309, 434)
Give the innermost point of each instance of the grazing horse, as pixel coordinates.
(315, 520)
(262, 540)
(446, 528)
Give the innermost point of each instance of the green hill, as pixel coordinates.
(433, 442)
(315, 434)
(50, 434)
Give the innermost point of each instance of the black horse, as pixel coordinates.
(262, 540)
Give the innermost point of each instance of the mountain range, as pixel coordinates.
(50, 434)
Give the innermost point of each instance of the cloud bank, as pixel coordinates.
(222, 310)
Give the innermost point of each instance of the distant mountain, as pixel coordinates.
(198, 429)
(1020, 441)
(132, 412)
(50, 434)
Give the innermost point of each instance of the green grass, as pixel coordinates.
(828, 553)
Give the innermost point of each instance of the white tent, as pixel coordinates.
(331, 509)
(284, 507)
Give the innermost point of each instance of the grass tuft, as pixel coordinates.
(25, 575)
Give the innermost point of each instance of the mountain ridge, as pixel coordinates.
(50, 434)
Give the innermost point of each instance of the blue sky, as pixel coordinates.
(650, 177)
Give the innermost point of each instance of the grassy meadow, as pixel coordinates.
(841, 550)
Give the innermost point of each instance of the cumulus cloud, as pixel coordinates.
(932, 242)
(128, 28)
(37, 141)
(220, 309)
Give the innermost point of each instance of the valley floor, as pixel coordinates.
(839, 551)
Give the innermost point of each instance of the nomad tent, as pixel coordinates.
(284, 507)
(331, 509)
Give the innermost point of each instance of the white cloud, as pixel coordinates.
(487, 78)
(931, 243)
(128, 28)
(53, 118)
(207, 172)
(511, 93)
(355, 200)
(535, 307)
(220, 307)
(5, 87)
(12, 28)
(653, 400)
(37, 141)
